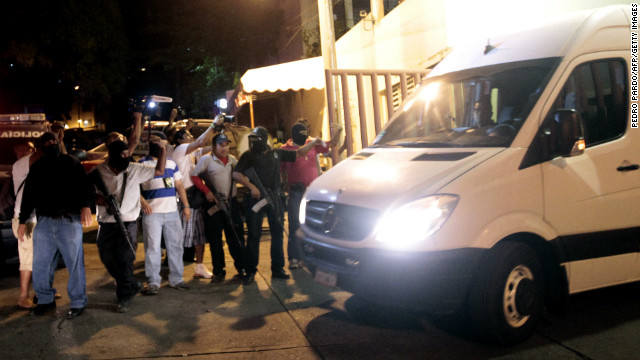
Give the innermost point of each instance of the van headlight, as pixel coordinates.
(303, 209)
(415, 221)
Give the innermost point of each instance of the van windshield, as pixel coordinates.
(481, 107)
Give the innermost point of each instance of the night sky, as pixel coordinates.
(186, 48)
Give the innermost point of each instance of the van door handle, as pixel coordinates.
(631, 167)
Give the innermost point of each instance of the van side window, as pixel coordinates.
(597, 91)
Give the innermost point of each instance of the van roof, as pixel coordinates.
(564, 36)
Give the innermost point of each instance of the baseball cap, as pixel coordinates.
(221, 138)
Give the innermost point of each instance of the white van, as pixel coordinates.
(508, 181)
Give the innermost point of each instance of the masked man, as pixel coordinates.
(118, 182)
(59, 191)
(259, 171)
(161, 220)
(299, 175)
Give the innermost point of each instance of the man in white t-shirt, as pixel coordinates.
(25, 154)
(161, 219)
(118, 252)
(185, 154)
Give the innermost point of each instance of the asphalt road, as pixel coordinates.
(296, 319)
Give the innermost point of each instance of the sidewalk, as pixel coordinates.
(226, 320)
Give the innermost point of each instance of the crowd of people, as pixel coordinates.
(182, 201)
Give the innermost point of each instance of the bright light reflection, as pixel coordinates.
(407, 106)
(430, 92)
(375, 172)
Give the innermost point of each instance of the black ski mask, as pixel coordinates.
(115, 155)
(52, 150)
(154, 149)
(299, 134)
(258, 139)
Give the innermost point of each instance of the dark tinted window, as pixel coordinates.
(598, 92)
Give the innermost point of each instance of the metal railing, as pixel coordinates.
(343, 94)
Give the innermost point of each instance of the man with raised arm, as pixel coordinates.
(121, 180)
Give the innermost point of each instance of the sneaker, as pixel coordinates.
(180, 286)
(217, 278)
(74, 313)
(150, 290)
(202, 272)
(294, 264)
(42, 309)
(280, 275)
(249, 279)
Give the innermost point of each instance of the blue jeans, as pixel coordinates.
(155, 226)
(49, 236)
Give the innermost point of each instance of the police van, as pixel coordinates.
(15, 129)
(508, 181)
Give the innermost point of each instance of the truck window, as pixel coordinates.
(597, 91)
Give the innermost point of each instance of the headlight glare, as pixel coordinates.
(415, 221)
(303, 209)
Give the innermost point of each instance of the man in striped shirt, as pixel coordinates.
(161, 217)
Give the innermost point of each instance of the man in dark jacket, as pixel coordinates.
(59, 191)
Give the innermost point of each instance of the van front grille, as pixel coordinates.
(338, 221)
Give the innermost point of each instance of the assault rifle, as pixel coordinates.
(268, 195)
(112, 206)
(222, 205)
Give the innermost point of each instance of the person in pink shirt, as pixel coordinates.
(299, 175)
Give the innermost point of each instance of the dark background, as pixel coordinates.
(190, 50)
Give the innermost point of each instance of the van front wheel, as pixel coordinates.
(506, 299)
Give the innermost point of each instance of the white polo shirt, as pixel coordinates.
(130, 205)
(186, 162)
(218, 172)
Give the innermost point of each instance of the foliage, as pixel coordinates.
(204, 43)
(206, 83)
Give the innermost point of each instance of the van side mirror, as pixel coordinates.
(569, 133)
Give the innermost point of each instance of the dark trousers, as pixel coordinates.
(118, 256)
(213, 226)
(236, 217)
(293, 209)
(254, 226)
